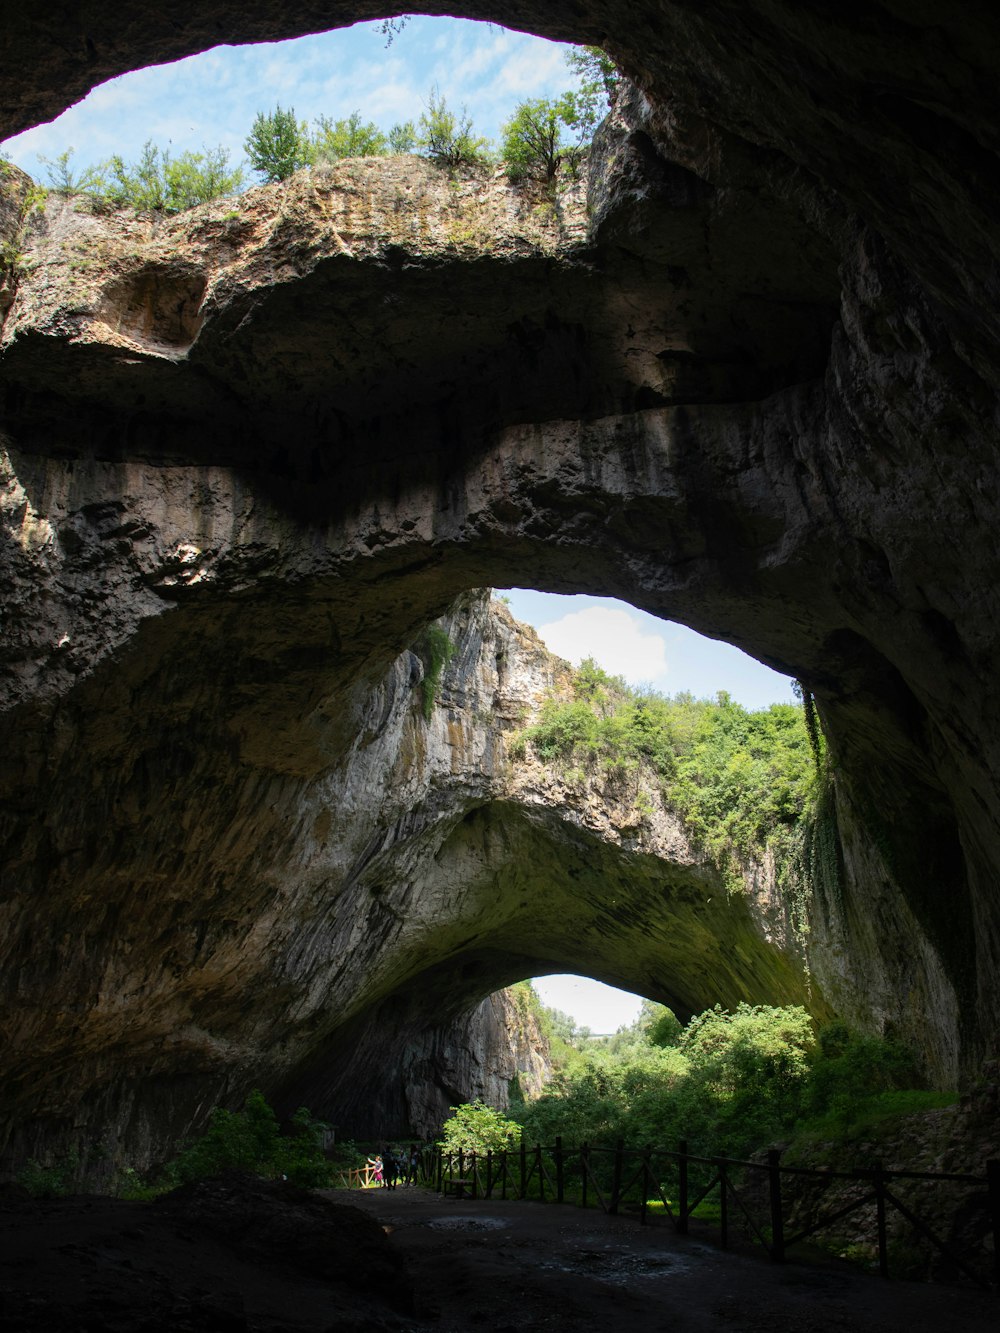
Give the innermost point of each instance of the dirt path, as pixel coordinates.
(502, 1267)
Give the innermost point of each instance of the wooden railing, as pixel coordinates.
(613, 1177)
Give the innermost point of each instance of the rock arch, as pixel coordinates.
(812, 479)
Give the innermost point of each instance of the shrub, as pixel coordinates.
(336, 139)
(49, 1182)
(250, 1140)
(533, 142)
(170, 185)
(448, 139)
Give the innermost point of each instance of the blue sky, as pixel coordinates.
(647, 651)
(212, 98)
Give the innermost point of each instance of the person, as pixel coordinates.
(390, 1168)
(377, 1169)
(414, 1166)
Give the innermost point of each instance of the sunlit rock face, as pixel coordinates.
(750, 385)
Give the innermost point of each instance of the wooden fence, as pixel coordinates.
(749, 1191)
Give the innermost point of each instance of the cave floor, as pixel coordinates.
(263, 1258)
(506, 1266)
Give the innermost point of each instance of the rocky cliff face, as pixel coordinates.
(247, 457)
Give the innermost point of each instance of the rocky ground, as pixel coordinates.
(250, 1256)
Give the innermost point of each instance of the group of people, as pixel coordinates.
(393, 1165)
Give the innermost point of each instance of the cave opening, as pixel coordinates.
(384, 76)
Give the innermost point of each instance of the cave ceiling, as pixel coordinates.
(750, 384)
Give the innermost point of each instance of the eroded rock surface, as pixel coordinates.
(249, 456)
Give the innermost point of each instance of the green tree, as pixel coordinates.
(533, 139)
(403, 138)
(476, 1127)
(277, 145)
(447, 139)
(336, 139)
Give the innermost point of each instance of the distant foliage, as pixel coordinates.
(728, 1081)
(65, 178)
(541, 137)
(744, 782)
(157, 182)
(544, 134)
(403, 138)
(170, 184)
(50, 1181)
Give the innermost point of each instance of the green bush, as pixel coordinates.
(168, 184)
(251, 1140)
(447, 139)
(476, 1127)
(336, 139)
(52, 1181)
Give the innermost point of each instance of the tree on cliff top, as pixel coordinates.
(277, 145)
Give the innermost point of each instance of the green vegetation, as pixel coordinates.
(251, 1140)
(170, 184)
(449, 140)
(545, 133)
(435, 649)
(277, 145)
(745, 783)
(540, 137)
(157, 181)
(476, 1127)
(52, 1181)
(352, 137)
(728, 1081)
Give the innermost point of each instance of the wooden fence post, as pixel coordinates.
(524, 1167)
(560, 1191)
(489, 1173)
(682, 1187)
(584, 1171)
(440, 1170)
(540, 1172)
(616, 1179)
(878, 1179)
(993, 1188)
(777, 1220)
(723, 1201)
(503, 1167)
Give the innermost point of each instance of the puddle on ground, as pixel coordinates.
(469, 1224)
(615, 1267)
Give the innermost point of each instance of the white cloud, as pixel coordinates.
(616, 639)
(594, 1005)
